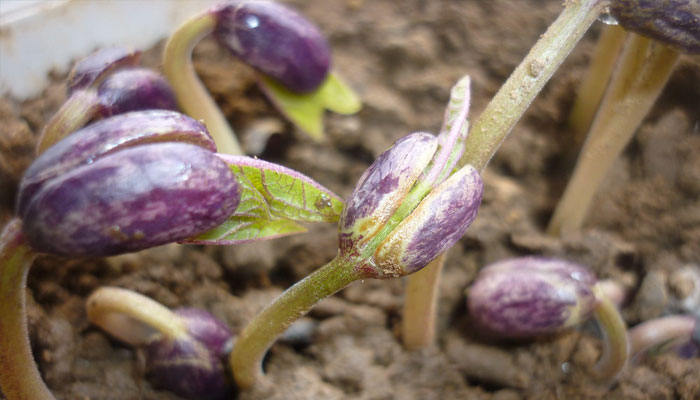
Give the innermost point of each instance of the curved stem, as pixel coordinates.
(77, 111)
(641, 74)
(528, 79)
(593, 86)
(192, 96)
(19, 376)
(615, 342)
(420, 306)
(132, 317)
(661, 331)
(263, 330)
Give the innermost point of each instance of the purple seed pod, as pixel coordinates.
(382, 187)
(192, 366)
(104, 137)
(674, 22)
(96, 66)
(434, 226)
(276, 40)
(132, 199)
(135, 89)
(530, 296)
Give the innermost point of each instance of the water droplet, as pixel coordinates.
(252, 22)
(608, 19)
(566, 368)
(362, 282)
(577, 276)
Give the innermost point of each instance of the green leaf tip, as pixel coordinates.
(273, 200)
(305, 110)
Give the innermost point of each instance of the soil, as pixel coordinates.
(402, 58)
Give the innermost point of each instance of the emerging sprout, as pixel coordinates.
(406, 209)
(530, 296)
(103, 84)
(656, 335)
(291, 54)
(183, 348)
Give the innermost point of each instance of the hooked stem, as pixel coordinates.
(132, 317)
(257, 337)
(19, 377)
(663, 331)
(644, 68)
(77, 111)
(615, 341)
(192, 97)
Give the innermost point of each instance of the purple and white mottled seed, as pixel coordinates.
(104, 137)
(276, 40)
(135, 89)
(530, 296)
(674, 22)
(133, 199)
(97, 65)
(434, 226)
(192, 366)
(383, 186)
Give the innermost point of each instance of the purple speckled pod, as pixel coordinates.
(674, 22)
(530, 296)
(276, 40)
(104, 137)
(135, 89)
(382, 187)
(93, 68)
(434, 226)
(192, 366)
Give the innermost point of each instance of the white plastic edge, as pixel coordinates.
(38, 36)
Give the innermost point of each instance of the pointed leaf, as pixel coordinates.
(306, 110)
(240, 229)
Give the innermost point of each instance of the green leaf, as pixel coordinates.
(306, 110)
(273, 200)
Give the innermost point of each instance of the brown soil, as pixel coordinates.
(402, 57)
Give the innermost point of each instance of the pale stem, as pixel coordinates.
(641, 74)
(132, 317)
(660, 331)
(527, 80)
(77, 111)
(420, 306)
(192, 97)
(593, 85)
(257, 337)
(615, 342)
(19, 377)
(613, 291)
(489, 131)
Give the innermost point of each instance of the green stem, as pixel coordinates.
(420, 306)
(615, 341)
(77, 111)
(487, 134)
(642, 73)
(192, 96)
(252, 344)
(132, 317)
(19, 376)
(593, 86)
(515, 96)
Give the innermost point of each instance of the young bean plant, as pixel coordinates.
(291, 56)
(130, 182)
(103, 84)
(531, 296)
(183, 348)
(408, 207)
